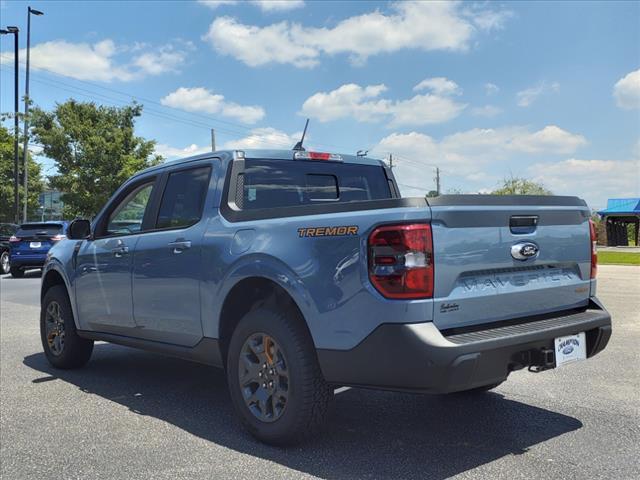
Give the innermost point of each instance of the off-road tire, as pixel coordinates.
(309, 396)
(76, 351)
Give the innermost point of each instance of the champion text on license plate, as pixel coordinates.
(570, 349)
(35, 244)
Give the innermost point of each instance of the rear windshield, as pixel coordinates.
(283, 183)
(40, 229)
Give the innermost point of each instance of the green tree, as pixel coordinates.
(95, 150)
(521, 186)
(7, 205)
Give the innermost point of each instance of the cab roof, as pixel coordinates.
(258, 153)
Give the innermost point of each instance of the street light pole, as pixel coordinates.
(16, 200)
(25, 147)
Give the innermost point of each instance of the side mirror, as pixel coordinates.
(79, 229)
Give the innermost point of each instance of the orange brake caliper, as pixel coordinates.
(268, 344)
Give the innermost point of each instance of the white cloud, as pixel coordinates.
(278, 5)
(213, 4)
(439, 85)
(264, 138)
(264, 5)
(200, 99)
(425, 26)
(486, 19)
(167, 58)
(470, 153)
(102, 61)
(491, 89)
(487, 111)
(170, 153)
(528, 96)
(365, 105)
(550, 139)
(594, 180)
(258, 46)
(626, 91)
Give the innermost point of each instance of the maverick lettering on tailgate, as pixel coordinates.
(341, 231)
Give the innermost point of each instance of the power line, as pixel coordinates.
(413, 186)
(152, 112)
(147, 100)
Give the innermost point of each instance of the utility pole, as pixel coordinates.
(16, 200)
(390, 162)
(438, 180)
(25, 147)
(213, 140)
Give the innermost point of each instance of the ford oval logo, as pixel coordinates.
(567, 350)
(524, 250)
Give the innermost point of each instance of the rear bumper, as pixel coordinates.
(25, 261)
(419, 357)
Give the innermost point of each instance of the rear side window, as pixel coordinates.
(284, 183)
(183, 198)
(40, 230)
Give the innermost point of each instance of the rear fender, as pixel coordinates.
(261, 266)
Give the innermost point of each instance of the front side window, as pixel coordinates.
(183, 198)
(127, 217)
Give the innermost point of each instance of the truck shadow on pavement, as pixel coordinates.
(370, 434)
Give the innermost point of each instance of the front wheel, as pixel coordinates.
(4, 263)
(60, 341)
(274, 378)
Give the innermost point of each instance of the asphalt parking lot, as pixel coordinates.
(135, 415)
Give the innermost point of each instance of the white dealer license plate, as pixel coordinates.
(35, 244)
(571, 348)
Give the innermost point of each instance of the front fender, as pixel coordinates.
(54, 264)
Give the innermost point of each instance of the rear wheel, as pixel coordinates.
(274, 378)
(60, 341)
(16, 272)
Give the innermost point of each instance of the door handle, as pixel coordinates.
(120, 251)
(179, 246)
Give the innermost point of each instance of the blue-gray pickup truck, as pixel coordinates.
(299, 272)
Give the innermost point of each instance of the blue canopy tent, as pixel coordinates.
(620, 213)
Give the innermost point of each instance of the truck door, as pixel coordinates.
(167, 265)
(103, 265)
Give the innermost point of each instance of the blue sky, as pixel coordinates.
(548, 91)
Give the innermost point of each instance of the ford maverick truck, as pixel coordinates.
(299, 272)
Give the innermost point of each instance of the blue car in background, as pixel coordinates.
(31, 243)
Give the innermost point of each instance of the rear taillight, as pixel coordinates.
(401, 261)
(594, 251)
(14, 239)
(57, 238)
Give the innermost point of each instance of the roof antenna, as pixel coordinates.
(298, 147)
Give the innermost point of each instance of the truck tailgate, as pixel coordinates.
(478, 275)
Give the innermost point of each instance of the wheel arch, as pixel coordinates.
(247, 295)
(49, 279)
(52, 276)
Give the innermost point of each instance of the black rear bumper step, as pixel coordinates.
(552, 323)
